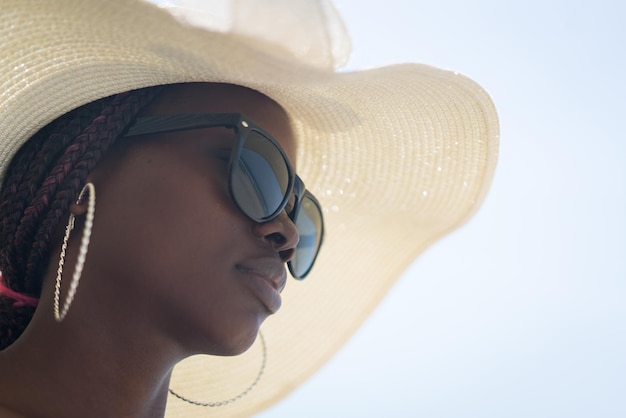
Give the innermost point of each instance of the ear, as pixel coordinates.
(79, 209)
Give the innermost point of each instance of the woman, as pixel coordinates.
(149, 216)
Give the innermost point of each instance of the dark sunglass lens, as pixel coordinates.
(310, 226)
(260, 178)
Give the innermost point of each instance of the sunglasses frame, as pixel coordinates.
(301, 194)
(151, 125)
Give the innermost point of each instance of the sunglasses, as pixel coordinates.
(260, 178)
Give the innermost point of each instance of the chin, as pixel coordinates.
(228, 341)
(231, 335)
(240, 344)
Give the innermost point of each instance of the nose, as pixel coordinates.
(281, 234)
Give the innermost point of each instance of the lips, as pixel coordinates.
(266, 278)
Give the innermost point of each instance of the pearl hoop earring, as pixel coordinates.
(59, 313)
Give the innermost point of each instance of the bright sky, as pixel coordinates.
(522, 312)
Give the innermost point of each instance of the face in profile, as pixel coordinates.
(170, 247)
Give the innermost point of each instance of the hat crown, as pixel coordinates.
(310, 31)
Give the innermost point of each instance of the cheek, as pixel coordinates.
(180, 225)
(165, 248)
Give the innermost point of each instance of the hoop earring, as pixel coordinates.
(59, 315)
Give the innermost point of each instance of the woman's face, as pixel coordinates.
(170, 245)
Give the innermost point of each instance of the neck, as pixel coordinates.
(80, 368)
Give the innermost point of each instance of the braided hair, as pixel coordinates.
(42, 181)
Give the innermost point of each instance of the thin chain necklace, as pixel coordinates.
(236, 398)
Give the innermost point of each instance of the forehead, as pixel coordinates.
(227, 98)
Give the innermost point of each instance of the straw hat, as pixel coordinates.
(398, 156)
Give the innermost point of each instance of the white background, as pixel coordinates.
(522, 312)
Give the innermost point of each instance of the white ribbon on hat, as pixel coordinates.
(309, 30)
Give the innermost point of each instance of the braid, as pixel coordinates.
(24, 179)
(42, 181)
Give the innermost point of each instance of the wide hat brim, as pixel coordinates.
(398, 157)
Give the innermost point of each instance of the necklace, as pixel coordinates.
(236, 398)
